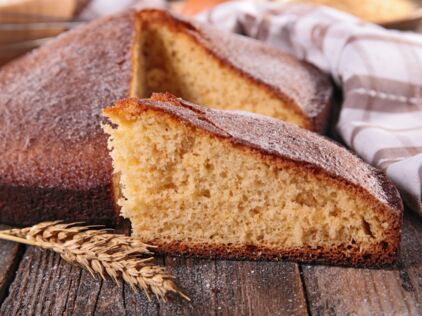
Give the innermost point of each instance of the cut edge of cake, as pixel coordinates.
(216, 58)
(377, 230)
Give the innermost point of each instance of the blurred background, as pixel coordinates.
(26, 24)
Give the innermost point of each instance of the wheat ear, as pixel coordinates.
(102, 253)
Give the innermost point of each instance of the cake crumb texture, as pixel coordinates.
(227, 71)
(189, 186)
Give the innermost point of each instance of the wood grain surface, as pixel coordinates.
(9, 259)
(46, 285)
(37, 282)
(393, 290)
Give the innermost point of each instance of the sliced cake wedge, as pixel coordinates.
(208, 182)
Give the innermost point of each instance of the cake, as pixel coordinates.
(230, 184)
(55, 162)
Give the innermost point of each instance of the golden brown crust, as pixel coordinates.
(53, 150)
(25, 206)
(300, 85)
(376, 257)
(286, 145)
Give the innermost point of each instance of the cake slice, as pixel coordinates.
(230, 184)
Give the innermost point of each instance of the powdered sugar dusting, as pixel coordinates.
(50, 106)
(300, 83)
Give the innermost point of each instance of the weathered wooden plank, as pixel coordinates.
(198, 279)
(235, 288)
(395, 290)
(46, 285)
(123, 300)
(9, 259)
(410, 264)
(32, 291)
(259, 288)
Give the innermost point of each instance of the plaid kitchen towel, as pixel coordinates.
(379, 71)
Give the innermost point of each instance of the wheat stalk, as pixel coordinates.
(100, 252)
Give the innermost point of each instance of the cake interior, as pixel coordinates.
(183, 185)
(169, 60)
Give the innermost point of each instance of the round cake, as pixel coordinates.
(55, 163)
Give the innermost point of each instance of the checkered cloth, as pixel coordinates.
(379, 71)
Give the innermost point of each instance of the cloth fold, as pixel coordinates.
(378, 70)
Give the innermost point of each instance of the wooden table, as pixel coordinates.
(37, 282)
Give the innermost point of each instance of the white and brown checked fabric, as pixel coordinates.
(379, 71)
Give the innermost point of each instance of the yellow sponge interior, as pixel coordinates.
(182, 184)
(171, 61)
